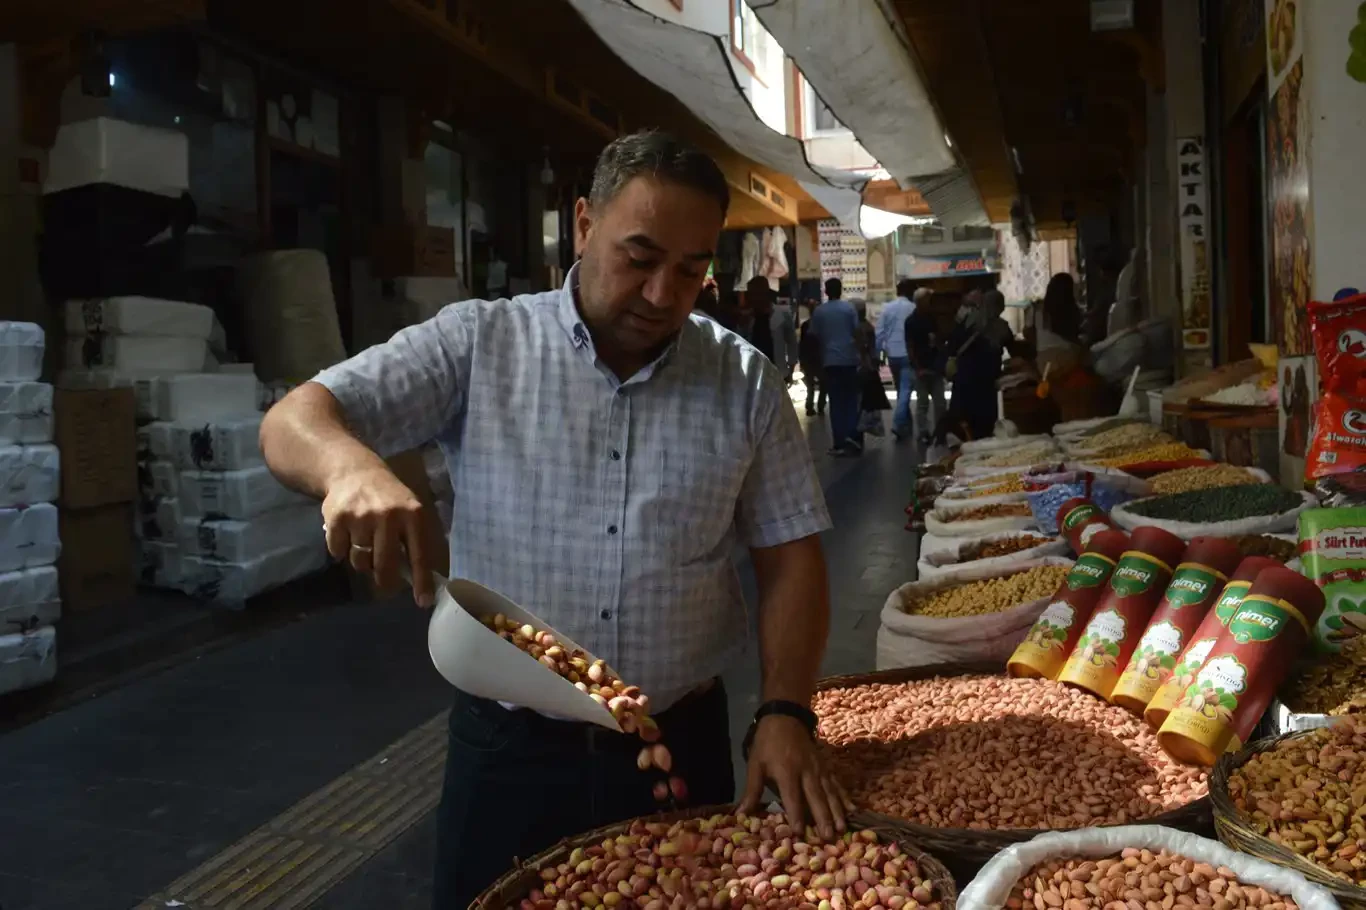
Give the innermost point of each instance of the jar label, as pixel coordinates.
(1089, 571)
(1078, 515)
(1231, 600)
(1191, 584)
(1214, 694)
(1100, 645)
(1260, 619)
(1135, 574)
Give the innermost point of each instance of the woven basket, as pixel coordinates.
(514, 886)
(1235, 829)
(966, 850)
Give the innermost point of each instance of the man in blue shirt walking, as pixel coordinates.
(834, 323)
(891, 340)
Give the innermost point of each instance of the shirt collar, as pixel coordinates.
(568, 315)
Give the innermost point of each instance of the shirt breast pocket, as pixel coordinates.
(694, 513)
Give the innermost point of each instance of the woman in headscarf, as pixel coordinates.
(977, 346)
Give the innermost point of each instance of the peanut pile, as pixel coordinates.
(988, 752)
(627, 703)
(734, 861)
(1308, 794)
(1205, 477)
(997, 510)
(1333, 684)
(1138, 880)
(990, 595)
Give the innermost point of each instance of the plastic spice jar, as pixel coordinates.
(1203, 641)
(1219, 710)
(1078, 519)
(1195, 586)
(1136, 585)
(1054, 634)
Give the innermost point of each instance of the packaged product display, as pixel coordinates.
(242, 541)
(137, 316)
(234, 583)
(1079, 519)
(932, 751)
(1239, 679)
(29, 474)
(1054, 634)
(29, 599)
(1136, 586)
(138, 352)
(28, 537)
(233, 494)
(21, 351)
(27, 659)
(25, 413)
(1338, 445)
(1333, 554)
(1203, 640)
(1196, 584)
(220, 445)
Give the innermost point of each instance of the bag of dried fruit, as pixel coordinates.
(977, 519)
(1253, 508)
(944, 558)
(979, 615)
(1138, 865)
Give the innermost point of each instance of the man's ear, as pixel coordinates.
(583, 224)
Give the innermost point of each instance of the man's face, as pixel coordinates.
(644, 258)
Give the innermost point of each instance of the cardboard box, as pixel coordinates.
(96, 433)
(409, 250)
(96, 567)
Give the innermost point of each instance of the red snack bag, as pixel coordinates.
(1339, 440)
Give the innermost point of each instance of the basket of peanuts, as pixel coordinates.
(1299, 801)
(1137, 867)
(968, 761)
(714, 857)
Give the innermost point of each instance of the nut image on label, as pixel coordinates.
(1050, 631)
(1214, 694)
(1184, 673)
(1157, 650)
(1100, 645)
(1345, 620)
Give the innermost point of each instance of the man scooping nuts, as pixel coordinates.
(608, 449)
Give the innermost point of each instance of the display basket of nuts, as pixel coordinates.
(650, 862)
(967, 761)
(1285, 800)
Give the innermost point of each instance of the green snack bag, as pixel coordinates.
(1333, 555)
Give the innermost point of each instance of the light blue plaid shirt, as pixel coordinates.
(609, 509)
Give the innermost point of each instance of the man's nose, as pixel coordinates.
(663, 288)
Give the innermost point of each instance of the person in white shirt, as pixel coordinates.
(891, 340)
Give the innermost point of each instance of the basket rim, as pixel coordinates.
(993, 838)
(1228, 820)
(491, 898)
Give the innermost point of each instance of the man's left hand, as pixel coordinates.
(783, 753)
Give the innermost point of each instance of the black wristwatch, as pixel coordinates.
(786, 709)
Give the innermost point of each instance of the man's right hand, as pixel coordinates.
(375, 522)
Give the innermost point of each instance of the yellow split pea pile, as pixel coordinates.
(1308, 794)
(1138, 880)
(991, 595)
(735, 861)
(988, 752)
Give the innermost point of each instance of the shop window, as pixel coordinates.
(748, 39)
(968, 232)
(821, 119)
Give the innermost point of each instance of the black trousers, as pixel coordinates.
(516, 783)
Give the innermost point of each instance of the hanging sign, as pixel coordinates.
(1193, 218)
(983, 263)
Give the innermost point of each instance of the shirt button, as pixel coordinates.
(616, 456)
(606, 614)
(611, 529)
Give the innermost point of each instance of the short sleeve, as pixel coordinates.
(780, 499)
(403, 393)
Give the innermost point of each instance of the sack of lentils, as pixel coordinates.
(952, 558)
(1254, 508)
(979, 614)
(1135, 865)
(972, 762)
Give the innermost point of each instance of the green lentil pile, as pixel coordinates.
(1219, 504)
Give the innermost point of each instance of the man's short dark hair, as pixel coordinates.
(905, 288)
(833, 288)
(652, 153)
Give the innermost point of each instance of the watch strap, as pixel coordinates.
(778, 706)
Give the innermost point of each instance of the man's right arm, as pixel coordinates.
(328, 438)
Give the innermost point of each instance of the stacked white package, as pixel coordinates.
(28, 537)
(29, 599)
(21, 351)
(233, 540)
(154, 440)
(232, 583)
(157, 516)
(25, 412)
(140, 334)
(160, 564)
(29, 474)
(27, 659)
(221, 445)
(233, 494)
